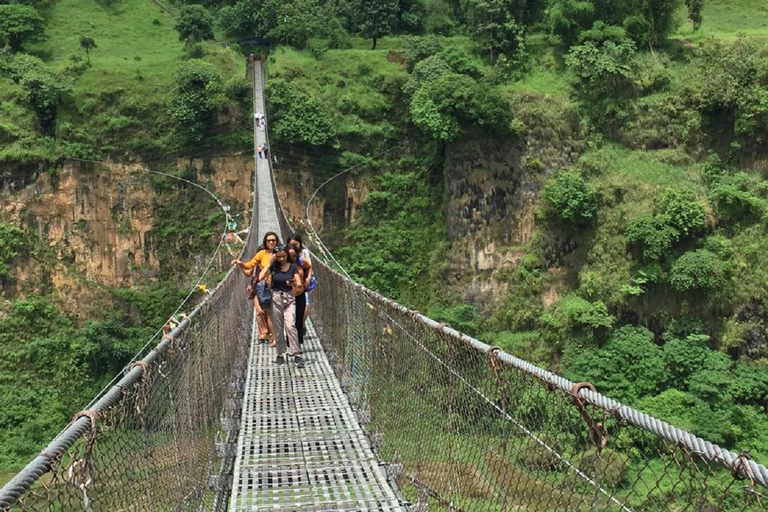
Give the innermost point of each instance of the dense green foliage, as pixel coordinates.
(198, 96)
(51, 366)
(570, 199)
(19, 23)
(194, 23)
(11, 240)
(378, 254)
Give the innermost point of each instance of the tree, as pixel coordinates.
(493, 27)
(41, 87)
(198, 96)
(604, 74)
(375, 18)
(298, 117)
(694, 12)
(444, 106)
(296, 22)
(194, 23)
(87, 44)
(647, 22)
(662, 19)
(252, 18)
(19, 23)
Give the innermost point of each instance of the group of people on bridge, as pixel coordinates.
(281, 281)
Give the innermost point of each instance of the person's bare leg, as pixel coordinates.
(261, 320)
(270, 327)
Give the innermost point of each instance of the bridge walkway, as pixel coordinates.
(300, 445)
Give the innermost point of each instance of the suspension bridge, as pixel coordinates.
(393, 412)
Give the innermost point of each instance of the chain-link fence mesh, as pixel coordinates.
(461, 425)
(465, 426)
(161, 438)
(164, 436)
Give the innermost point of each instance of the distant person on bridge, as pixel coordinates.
(309, 282)
(285, 278)
(260, 151)
(261, 260)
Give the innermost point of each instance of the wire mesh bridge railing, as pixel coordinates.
(465, 426)
(457, 424)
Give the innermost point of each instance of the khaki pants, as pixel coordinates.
(284, 321)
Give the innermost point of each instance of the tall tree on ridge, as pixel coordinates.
(375, 18)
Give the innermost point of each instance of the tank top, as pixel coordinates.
(281, 281)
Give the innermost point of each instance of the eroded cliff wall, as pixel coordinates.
(491, 185)
(97, 219)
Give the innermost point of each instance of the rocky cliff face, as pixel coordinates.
(491, 186)
(97, 218)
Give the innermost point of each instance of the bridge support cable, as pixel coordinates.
(464, 423)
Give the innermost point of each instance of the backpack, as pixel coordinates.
(263, 293)
(250, 290)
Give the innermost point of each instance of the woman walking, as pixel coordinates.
(260, 260)
(305, 269)
(285, 277)
(305, 259)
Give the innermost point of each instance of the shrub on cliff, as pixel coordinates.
(570, 199)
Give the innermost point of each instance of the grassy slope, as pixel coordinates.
(123, 95)
(128, 41)
(726, 18)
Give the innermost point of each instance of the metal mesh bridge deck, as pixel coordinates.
(300, 445)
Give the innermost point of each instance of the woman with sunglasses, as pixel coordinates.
(285, 278)
(260, 260)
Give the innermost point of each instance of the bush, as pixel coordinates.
(198, 96)
(684, 212)
(735, 200)
(537, 457)
(698, 270)
(651, 236)
(570, 198)
(11, 240)
(443, 107)
(612, 466)
(464, 318)
(298, 117)
(419, 48)
(629, 366)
